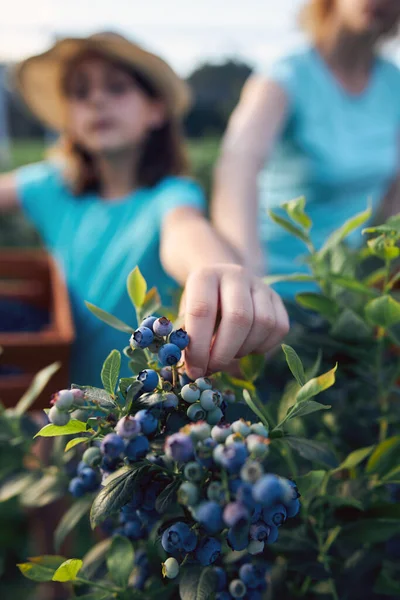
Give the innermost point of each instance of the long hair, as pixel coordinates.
(163, 152)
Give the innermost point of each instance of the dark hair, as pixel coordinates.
(163, 152)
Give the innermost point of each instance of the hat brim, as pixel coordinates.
(38, 78)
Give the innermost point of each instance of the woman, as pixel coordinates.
(324, 123)
(117, 196)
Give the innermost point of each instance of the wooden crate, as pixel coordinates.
(33, 276)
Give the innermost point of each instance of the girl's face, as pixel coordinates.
(377, 17)
(107, 111)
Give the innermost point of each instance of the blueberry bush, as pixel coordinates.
(239, 488)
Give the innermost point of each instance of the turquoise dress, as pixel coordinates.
(337, 149)
(97, 243)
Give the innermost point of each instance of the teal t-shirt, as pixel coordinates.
(97, 243)
(337, 149)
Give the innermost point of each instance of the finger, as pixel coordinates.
(281, 328)
(264, 320)
(201, 305)
(236, 307)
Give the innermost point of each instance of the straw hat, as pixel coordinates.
(38, 78)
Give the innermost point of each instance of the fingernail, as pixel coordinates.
(195, 372)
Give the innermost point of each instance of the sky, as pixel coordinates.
(184, 32)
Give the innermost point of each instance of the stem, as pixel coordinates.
(100, 586)
(382, 394)
(174, 376)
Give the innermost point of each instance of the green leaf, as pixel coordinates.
(151, 303)
(138, 361)
(38, 384)
(197, 583)
(43, 491)
(349, 327)
(124, 383)
(386, 585)
(116, 494)
(348, 227)
(71, 518)
(256, 406)
(15, 485)
(110, 371)
(100, 595)
(316, 385)
(295, 364)
(120, 560)
(295, 210)
(296, 231)
(301, 277)
(74, 426)
(353, 285)
(137, 288)
(167, 496)
(301, 409)
(252, 366)
(319, 303)
(314, 369)
(75, 442)
(310, 484)
(311, 450)
(370, 531)
(68, 570)
(355, 458)
(97, 396)
(109, 319)
(41, 568)
(384, 311)
(95, 557)
(385, 457)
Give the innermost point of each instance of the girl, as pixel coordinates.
(324, 123)
(118, 196)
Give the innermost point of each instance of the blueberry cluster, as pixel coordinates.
(87, 477)
(205, 403)
(63, 403)
(249, 582)
(158, 336)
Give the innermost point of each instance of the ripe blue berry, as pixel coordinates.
(90, 479)
(178, 537)
(208, 551)
(162, 326)
(204, 452)
(76, 487)
(229, 397)
(64, 400)
(259, 531)
(195, 412)
(232, 457)
(252, 575)
(209, 515)
(217, 493)
(92, 456)
(237, 589)
(293, 508)
(193, 471)
(112, 445)
(180, 338)
(169, 355)
(133, 529)
(244, 494)
(149, 379)
(190, 393)
(147, 421)
(170, 401)
(238, 537)
(268, 490)
(137, 448)
(57, 417)
(214, 416)
(222, 578)
(251, 471)
(142, 337)
(275, 515)
(235, 514)
(128, 427)
(188, 494)
(219, 433)
(166, 374)
(273, 534)
(179, 447)
(223, 596)
(148, 322)
(203, 383)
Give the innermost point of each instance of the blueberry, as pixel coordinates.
(188, 494)
(204, 452)
(268, 490)
(209, 400)
(90, 479)
(217, 492)
(221, 577)
(92, 457)
(236, 514)
(166, 374)
(148, 322)
(237, 589)
(275, 515)
(214, 416)
(147, 421)
(162, 326)
(193, 471)
(199, 431)
(203, 383)
(252, 575)
(190, 393)
(195, 412)
(141, 559)
(220, 432)
(251, 471)
(137, 448)
(256, 513)
(184, 379)
(134, 503)
(112, 445)
(56, 417)
(238, 537)
(64, 400)
(179, 447)
(259, 429)
(108, 464)
(149, 379)
(257, 445)
(242, 427)
(170, 401)
(229, 396)
(259, 531)
(81, 465)
(293, 508)
(223, 596)
(76, 487)
(156, 344)
(170, 568)
(133, 529)
(209, 515)
(178, 537)
(169, 355)
(232, 457)
(273, 534)
(79, 397)
(141, 338)
(180, 338)
(128, 427)
(208, 551)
